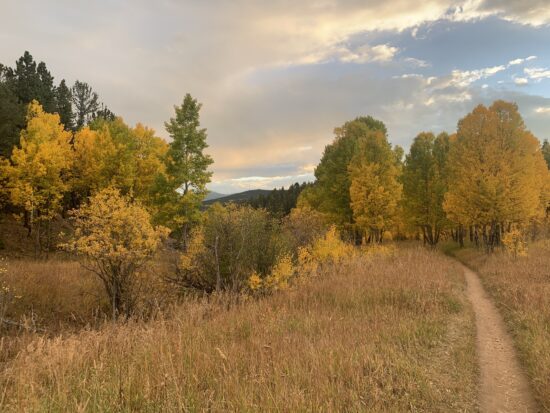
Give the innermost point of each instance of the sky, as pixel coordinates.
(276, 77)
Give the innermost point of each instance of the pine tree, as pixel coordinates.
(63, 104)
(12, 119)
(546, 152)
(33, 81)
(86, 103)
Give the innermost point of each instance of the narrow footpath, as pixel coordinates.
(504, 386)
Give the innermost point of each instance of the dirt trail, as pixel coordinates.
(504, 387)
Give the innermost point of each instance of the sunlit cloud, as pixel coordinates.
(521, 81)
(543, 110)
(537, 73)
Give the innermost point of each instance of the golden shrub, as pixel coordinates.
(514, 242)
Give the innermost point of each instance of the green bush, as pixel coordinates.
(233, 242)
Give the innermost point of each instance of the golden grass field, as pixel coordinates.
(383, 333)
(521, 289)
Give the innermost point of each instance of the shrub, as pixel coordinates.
(277, 279)
(115, 237)
(233, 242)
(514, 243)
(303, 226)
(327, 249)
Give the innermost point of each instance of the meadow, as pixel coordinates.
(378, 332)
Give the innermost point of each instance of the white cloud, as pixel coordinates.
(463, 78)
(521, 81)
(417, 62)
(537, 73)
(520, 61)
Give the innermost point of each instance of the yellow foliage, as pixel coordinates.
(495, 169)
(113, 229)
(514, 242)
(375, 194)
(254, 282)
(38, 174)
(328, 249)
(278, 279)
(195, 247)
(280, 275)
(116, 238)
(94, 156)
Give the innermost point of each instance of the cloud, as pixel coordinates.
(345, 54)
(531, 12)
(520, 61)
(275, 77)
(537, 73)
(258, 182)
(417, 62)
(463, 78)
(521, 81)
(543, 110)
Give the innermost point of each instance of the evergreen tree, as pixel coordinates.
(279, 201)
(86, 103)
(12, 119)
(104, 113)
(33, 81)
(46, 94)
(63, 100)
(546, 152)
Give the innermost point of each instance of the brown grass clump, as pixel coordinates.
(378, 334)
(521, 289)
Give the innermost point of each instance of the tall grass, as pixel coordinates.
(54, 294)
(377, 334)
(521, 288)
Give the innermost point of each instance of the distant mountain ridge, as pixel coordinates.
(213, 195)
(238, 197)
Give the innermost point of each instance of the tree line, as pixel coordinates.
(51, 169)
(29, 80)
(126, 190)
(485, 180)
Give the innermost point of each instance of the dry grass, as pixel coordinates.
(390, 334)
(521, 289)
(55, 294)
